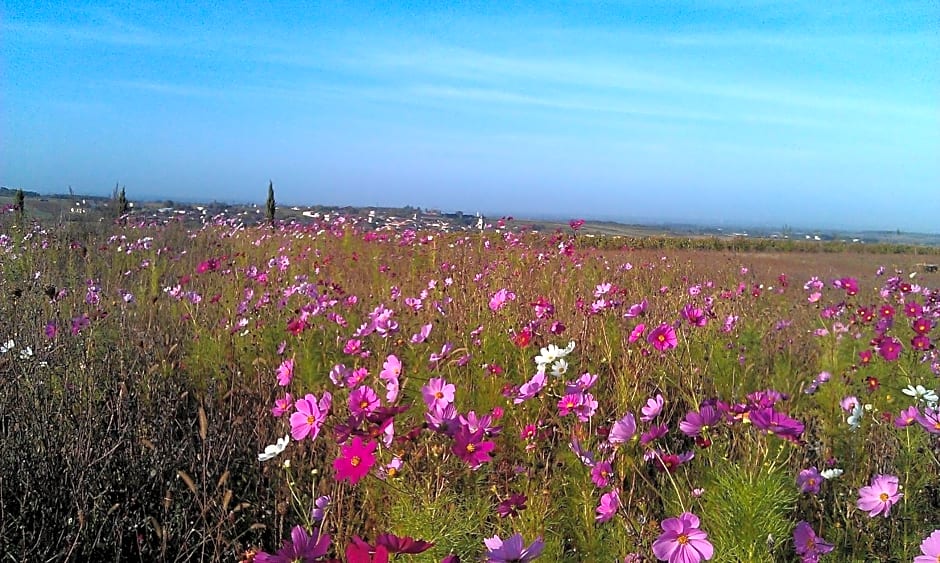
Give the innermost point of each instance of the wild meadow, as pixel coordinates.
(322, 391)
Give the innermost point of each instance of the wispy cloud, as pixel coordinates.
(49, 33)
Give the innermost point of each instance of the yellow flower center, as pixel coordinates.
(355, 461)
(310, 420)
(438, 395)
(682, 539)
(363, 404)
(883, 497)
(471, 448)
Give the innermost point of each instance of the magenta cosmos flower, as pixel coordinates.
(355, 461)
(301, 547)
(682, 541)
(363, 401)
(930, 548)
(880, 496)
(890, 349)
(663, 337)
(809, 480)
(808, 545)
(697, 423)
(470, 447)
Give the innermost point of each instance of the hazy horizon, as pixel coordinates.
(770, 113)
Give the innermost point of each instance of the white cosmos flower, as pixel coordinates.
(272, 451)
(830, 473)
(549, 354)
(921, 393)
(26, 353)
(7, 346)
(855, 419)
(560, 367)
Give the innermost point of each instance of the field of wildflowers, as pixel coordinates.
(327, 392)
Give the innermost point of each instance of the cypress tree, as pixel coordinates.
(271, 205)
(122, 205)
(20, 203)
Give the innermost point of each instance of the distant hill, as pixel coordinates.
(11, 192)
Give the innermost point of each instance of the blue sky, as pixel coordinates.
(799, 113)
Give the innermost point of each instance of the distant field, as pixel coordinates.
(454, 388)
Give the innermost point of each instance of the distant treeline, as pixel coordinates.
(751, 245)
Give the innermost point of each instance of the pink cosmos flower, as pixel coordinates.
(436, 358)
(285, 372)
(682, 541)
(438, 393)
(637, 309)
(443, 420)
(663, 337)
(310, 416)
(513, 549)
(695, 315)
(530, 388)
(339, 374)
(778, 423)
(906, 417)
(636, 333)
(586, 409)
(622, 430)
(610, 504)
(880, 496)
(422, 334)
(655, 432)
(848, 403)
(499, 299)
(355, 460)
(353, 346)
(356, 376)
(282, 405)
(582, 384)
(930, 548)
(930, 420)
(391, 370)
(697, 423)
(652, 409)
